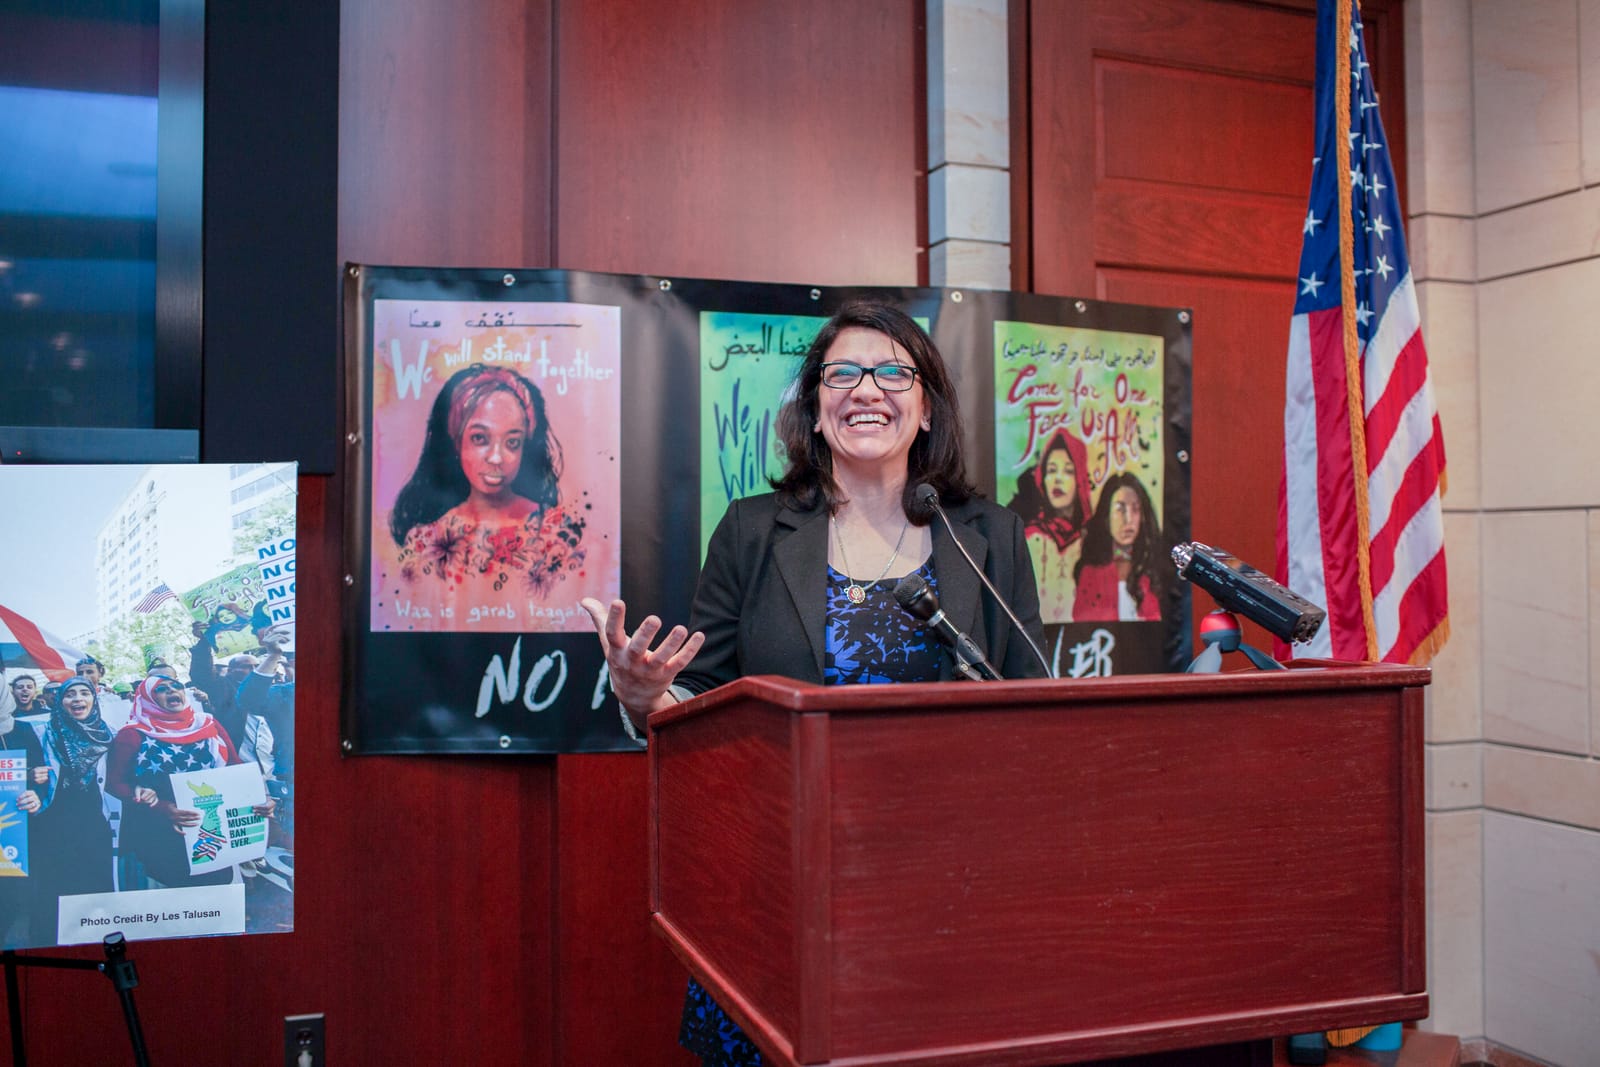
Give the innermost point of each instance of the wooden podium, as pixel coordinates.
(1044, 872)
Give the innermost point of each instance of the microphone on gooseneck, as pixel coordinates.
(926, 498)
(913, 594)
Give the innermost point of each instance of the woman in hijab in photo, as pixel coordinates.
(166, 734)
(72, 845)
(1053, 500)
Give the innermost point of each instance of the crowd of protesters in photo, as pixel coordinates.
(98, 802)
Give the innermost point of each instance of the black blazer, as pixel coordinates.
(762, 596)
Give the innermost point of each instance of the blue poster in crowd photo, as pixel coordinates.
(13, 823)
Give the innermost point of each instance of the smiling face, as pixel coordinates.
(1126, 515)
(491, 445)
(78, 699)
(1060, 480)
(870, 430)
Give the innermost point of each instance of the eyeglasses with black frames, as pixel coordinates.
(890, 377)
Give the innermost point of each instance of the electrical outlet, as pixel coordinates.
(302, 1041)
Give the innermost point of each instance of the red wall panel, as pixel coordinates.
(444, 133)
(768, 142)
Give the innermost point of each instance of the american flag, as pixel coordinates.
(154, 599)
(1360, 528)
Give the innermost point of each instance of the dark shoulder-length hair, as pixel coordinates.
(437, 485)
(1148, 555)
(935, 455)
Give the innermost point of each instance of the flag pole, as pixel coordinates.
(1352, 346)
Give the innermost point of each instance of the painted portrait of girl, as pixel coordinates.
(483, 506)
(495, 494)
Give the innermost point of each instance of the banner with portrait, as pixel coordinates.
(519, 440)
(1081, 424)
(147, 761)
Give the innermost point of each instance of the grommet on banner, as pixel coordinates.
(1183, 317)
(509, 280)
(816, 294)
(355, 271)
(1183, 455)
(347, 745)
(1080, 307)
(505, 742)
(352, 437)
(955, 297)
(349, 579)
(665, 285)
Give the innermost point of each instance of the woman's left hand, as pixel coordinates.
(640, 676)
(28, 801)
(41, 775)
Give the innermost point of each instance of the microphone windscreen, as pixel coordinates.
(913, 594)
(924, 502)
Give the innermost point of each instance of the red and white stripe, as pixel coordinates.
(1318, 539)
(25, 646)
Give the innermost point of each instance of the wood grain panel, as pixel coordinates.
(1205, 232)
(607, 957)
(730, 889)
(1257, 39)
(1073, 228)
(1061, 138)
(444, 112)
(1086, 126)
(1217, 131)
(1098, 873)
(770, 142)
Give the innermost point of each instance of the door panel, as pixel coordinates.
(1163, 157)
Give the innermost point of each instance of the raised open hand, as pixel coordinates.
(640, 675)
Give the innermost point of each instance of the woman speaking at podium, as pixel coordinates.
(799, 582)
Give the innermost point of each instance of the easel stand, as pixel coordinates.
(116, 966)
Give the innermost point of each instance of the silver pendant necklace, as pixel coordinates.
(855, 592)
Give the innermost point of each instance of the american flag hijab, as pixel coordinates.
(184, 726)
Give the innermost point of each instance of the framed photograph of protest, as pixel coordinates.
(147, 709)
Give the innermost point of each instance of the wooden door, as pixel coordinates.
(1162, 155)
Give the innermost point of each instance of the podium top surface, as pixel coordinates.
(1302, 676)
